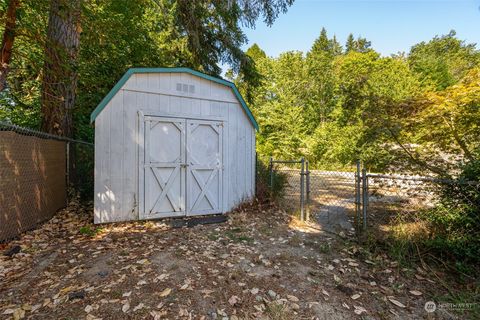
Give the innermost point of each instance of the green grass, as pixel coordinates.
(87, 231)
(214, 236)
(409, 245)
(467, 302)
(275, 311)
(238, 235)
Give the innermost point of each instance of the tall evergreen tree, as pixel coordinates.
(255, 52)
(321, 44)
(214, 29)
(350, 44)
(249, 86)
(358, 45)
(321, 81)
(362, 45)
(60, 72)
(336, 47)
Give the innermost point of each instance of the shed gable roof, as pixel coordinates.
(131, 71)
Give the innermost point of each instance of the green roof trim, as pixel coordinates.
(131, 71)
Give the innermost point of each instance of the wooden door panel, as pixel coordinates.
(204, 167)
(164, 167)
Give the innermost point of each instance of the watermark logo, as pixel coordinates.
(430, 306)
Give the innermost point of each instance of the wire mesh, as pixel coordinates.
(81, 170)
(328, 196)
(287, 176)
(333, 198)
(34, 176)
(341, 200)
(410, 202)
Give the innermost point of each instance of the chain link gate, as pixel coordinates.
(342, 200)
(333, 198)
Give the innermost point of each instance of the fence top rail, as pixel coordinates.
(420, 178)
(5, 126)
(286, 161)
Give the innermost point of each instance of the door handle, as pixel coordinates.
(184, 165)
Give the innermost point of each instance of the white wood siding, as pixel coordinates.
(117, 138)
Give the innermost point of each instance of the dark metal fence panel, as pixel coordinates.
(32, 181)
(34, 176)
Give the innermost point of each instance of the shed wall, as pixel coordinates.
(117, 139)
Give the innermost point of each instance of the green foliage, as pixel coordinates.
(119, 34)
(335, 146)
(443, 61)
(20, 102)
(283, 129)
(448, 232)
(269, 187)
(359, 45)
(247, 83)
(87, 231)
(334, 106)
(82, 170)
(321, 79)
(445, 122)
(456, 221)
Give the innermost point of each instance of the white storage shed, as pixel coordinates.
(172, 142)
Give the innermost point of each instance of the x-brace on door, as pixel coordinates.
(182, 167)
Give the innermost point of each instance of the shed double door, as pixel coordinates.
(183, 165)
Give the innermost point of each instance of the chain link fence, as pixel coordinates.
(291, 174)
(378, 203)
(333, 199)
(328, 197)
(39, 173)
(80, 175)
(407, 204)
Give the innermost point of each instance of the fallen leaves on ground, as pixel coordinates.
(257, 265)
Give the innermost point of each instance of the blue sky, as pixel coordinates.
(391, 25)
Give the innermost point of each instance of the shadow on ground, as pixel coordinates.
(260, 264)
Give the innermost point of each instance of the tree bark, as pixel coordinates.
(7, 42)
(60, 72)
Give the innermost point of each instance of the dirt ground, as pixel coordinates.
(260, 264)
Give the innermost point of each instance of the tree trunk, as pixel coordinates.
(7, 42)
(60, 72)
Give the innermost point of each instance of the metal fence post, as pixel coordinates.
(256, 176)
(271, 173)
(67, 172)
(365, 197)
(302, 191)
(307, 180)
(357, 195)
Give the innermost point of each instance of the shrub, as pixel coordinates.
(81, 170)
(456, 220)
(264, 191)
